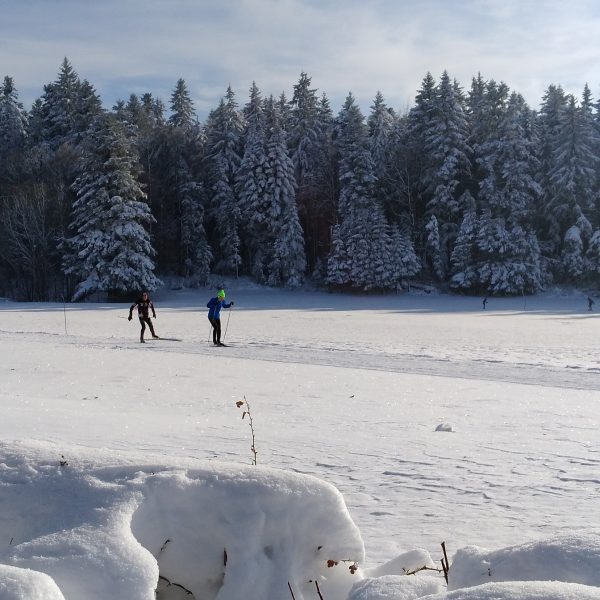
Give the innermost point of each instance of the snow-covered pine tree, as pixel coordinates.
(110, 248)
(13, 125)
(547, 126)
(574, 177)
(361, 249)
(403, 258)
(68, 106)
(464, 255)
(283, 106)
(183, 114)
(187, 193)
(573, 260)
(593, 257)
(434, 249)
(309, 125)
(87, 107)
(251, 183)
(575, 159)
(381, 123)
(447, 166)
(304, 135)
(509, 256)
(223, 156)
(288, 263)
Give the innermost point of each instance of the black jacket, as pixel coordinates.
(144, 307)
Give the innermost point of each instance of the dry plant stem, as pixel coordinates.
(249, 413)
(291, 592)
(176, 585)
(445, 565)
(318, 590)
(423, 568)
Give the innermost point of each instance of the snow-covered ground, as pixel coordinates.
(435, 420)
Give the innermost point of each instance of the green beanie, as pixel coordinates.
(221, 294)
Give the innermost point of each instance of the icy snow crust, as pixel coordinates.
(436, 420)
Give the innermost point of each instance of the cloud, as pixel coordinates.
(133, 46)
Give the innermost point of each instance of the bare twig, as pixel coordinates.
(423, 568)
(163, 547)
(176, 585)
(248, 412)
(445, 565)
(291, 592)
(318, 590)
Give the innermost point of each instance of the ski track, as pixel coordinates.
(569, 377)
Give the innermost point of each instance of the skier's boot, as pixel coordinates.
(142, 341)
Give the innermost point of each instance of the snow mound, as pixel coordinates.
(247, 534)
(395, 587)
(570, 558)
(220, 532)
(25, 584)
(519, 590)
(444, 427)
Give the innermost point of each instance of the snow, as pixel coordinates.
(384, 425)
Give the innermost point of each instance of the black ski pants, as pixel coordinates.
(143, 322)
(216, 324)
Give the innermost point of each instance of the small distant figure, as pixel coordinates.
(214, 315)
(144, 306)
(484, 303)
(590, 303)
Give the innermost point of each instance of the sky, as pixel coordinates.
(363, 46)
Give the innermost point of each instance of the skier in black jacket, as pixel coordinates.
(144, 306)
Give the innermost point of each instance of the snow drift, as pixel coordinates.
(223, 533)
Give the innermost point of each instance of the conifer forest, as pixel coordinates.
(470, 190)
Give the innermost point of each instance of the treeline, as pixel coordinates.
(474, 190)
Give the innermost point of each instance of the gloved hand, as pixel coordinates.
(129, 318)
(232, 303)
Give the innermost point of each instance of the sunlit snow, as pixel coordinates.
(384, 425)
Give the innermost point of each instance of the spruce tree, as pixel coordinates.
(464, 255)
(573, 178)
(13, 131)
(182, 107)
(509, 255)
(289, 262)
(360, 255)
(223, 156)
(251, 183)
(185, 195)
(309, 125)
(110, 248)
(447, 158)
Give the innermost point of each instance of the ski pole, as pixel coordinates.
(227, 324)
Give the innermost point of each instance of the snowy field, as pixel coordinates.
(437, 421)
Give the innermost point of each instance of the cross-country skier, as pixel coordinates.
(590, 303)
(484, 303)
(144, 306)
(214, 315)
